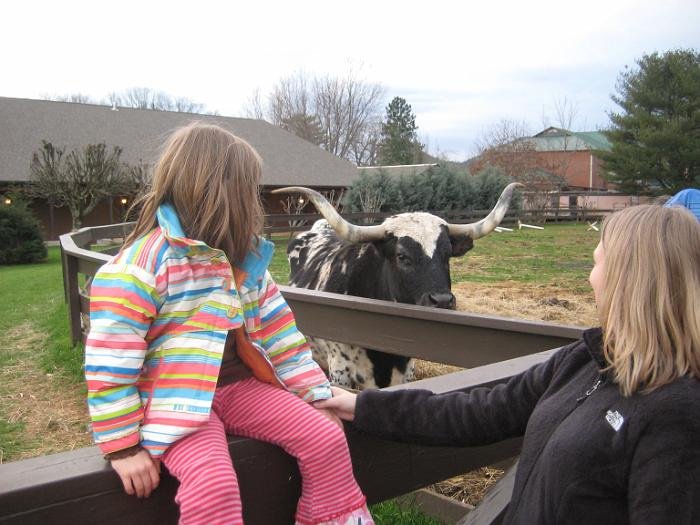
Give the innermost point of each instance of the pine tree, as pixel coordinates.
(399, 142)
(656, 136)
(308, 127)
(20, 233)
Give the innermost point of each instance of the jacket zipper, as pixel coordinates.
(595, 386)
(599, 381)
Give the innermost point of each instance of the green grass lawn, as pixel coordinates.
(32, 306)
(560, 255)
(33, 294)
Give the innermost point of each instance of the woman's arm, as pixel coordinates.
(475, 417)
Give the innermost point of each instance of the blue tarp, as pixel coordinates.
(689, 198)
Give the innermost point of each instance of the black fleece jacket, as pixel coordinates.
(589, 454)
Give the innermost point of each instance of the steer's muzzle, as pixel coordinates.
(439, 300)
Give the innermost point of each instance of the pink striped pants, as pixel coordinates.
(208, 492)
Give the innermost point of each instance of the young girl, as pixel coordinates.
(611, 423)
(190, 339)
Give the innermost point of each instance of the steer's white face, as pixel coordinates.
(424, 228)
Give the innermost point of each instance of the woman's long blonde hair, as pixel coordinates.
(650, 301)
(212, 178)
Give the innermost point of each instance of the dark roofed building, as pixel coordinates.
(288, 160)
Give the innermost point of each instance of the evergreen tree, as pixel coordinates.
(656, 136)
(371, 193)
(308, 127)
(20, 233)
(399, 141)
(436, 190)
(487, 186)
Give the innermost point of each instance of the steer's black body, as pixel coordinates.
(409, 265)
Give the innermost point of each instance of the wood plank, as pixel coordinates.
(487, 375)
(79, 487)
(444, 336)
(72, 292)
(446, 510)
(90, 267)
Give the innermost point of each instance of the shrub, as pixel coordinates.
(371, 193)
(20, 235)
(488, 185)
(438, 189)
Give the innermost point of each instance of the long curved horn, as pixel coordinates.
(345, 230)
(475, 230)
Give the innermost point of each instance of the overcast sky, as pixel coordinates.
(461, 65)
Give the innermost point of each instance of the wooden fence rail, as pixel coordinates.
(279, 223)
(78, 486)
(387, 326)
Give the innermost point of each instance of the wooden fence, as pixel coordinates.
(79, 487)
(300, 222)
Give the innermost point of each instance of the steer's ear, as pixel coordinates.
(461, 244)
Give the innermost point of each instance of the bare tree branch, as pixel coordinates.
(253, 107)
(339, 114)
(80, 181)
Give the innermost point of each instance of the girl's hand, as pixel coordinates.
(342, 403)
(140, 473)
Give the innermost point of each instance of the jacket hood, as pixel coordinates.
(250, 270)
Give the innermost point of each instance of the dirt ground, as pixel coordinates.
(521, 301)
(517, 300)
(50, 411)
(527, 301)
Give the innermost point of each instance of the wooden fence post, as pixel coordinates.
(70, 271)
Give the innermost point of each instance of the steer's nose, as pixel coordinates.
(442, 300)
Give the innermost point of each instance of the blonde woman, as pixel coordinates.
(611, 423)
(190, 339)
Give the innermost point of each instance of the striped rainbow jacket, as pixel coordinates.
(160, 312)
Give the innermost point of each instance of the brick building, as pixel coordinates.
(564, 159)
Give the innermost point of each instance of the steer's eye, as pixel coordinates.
(403, 259)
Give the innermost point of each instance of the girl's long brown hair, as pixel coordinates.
(650, 304)
(212, 178)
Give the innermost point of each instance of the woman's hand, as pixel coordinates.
(342, 403)
(330, 415)
(140, 473)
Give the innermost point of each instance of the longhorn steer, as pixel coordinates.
(405, 259)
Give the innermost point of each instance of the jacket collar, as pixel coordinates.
(593, 337)
(247, 273)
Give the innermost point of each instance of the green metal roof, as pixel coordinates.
(596, 139)
(557, 139)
